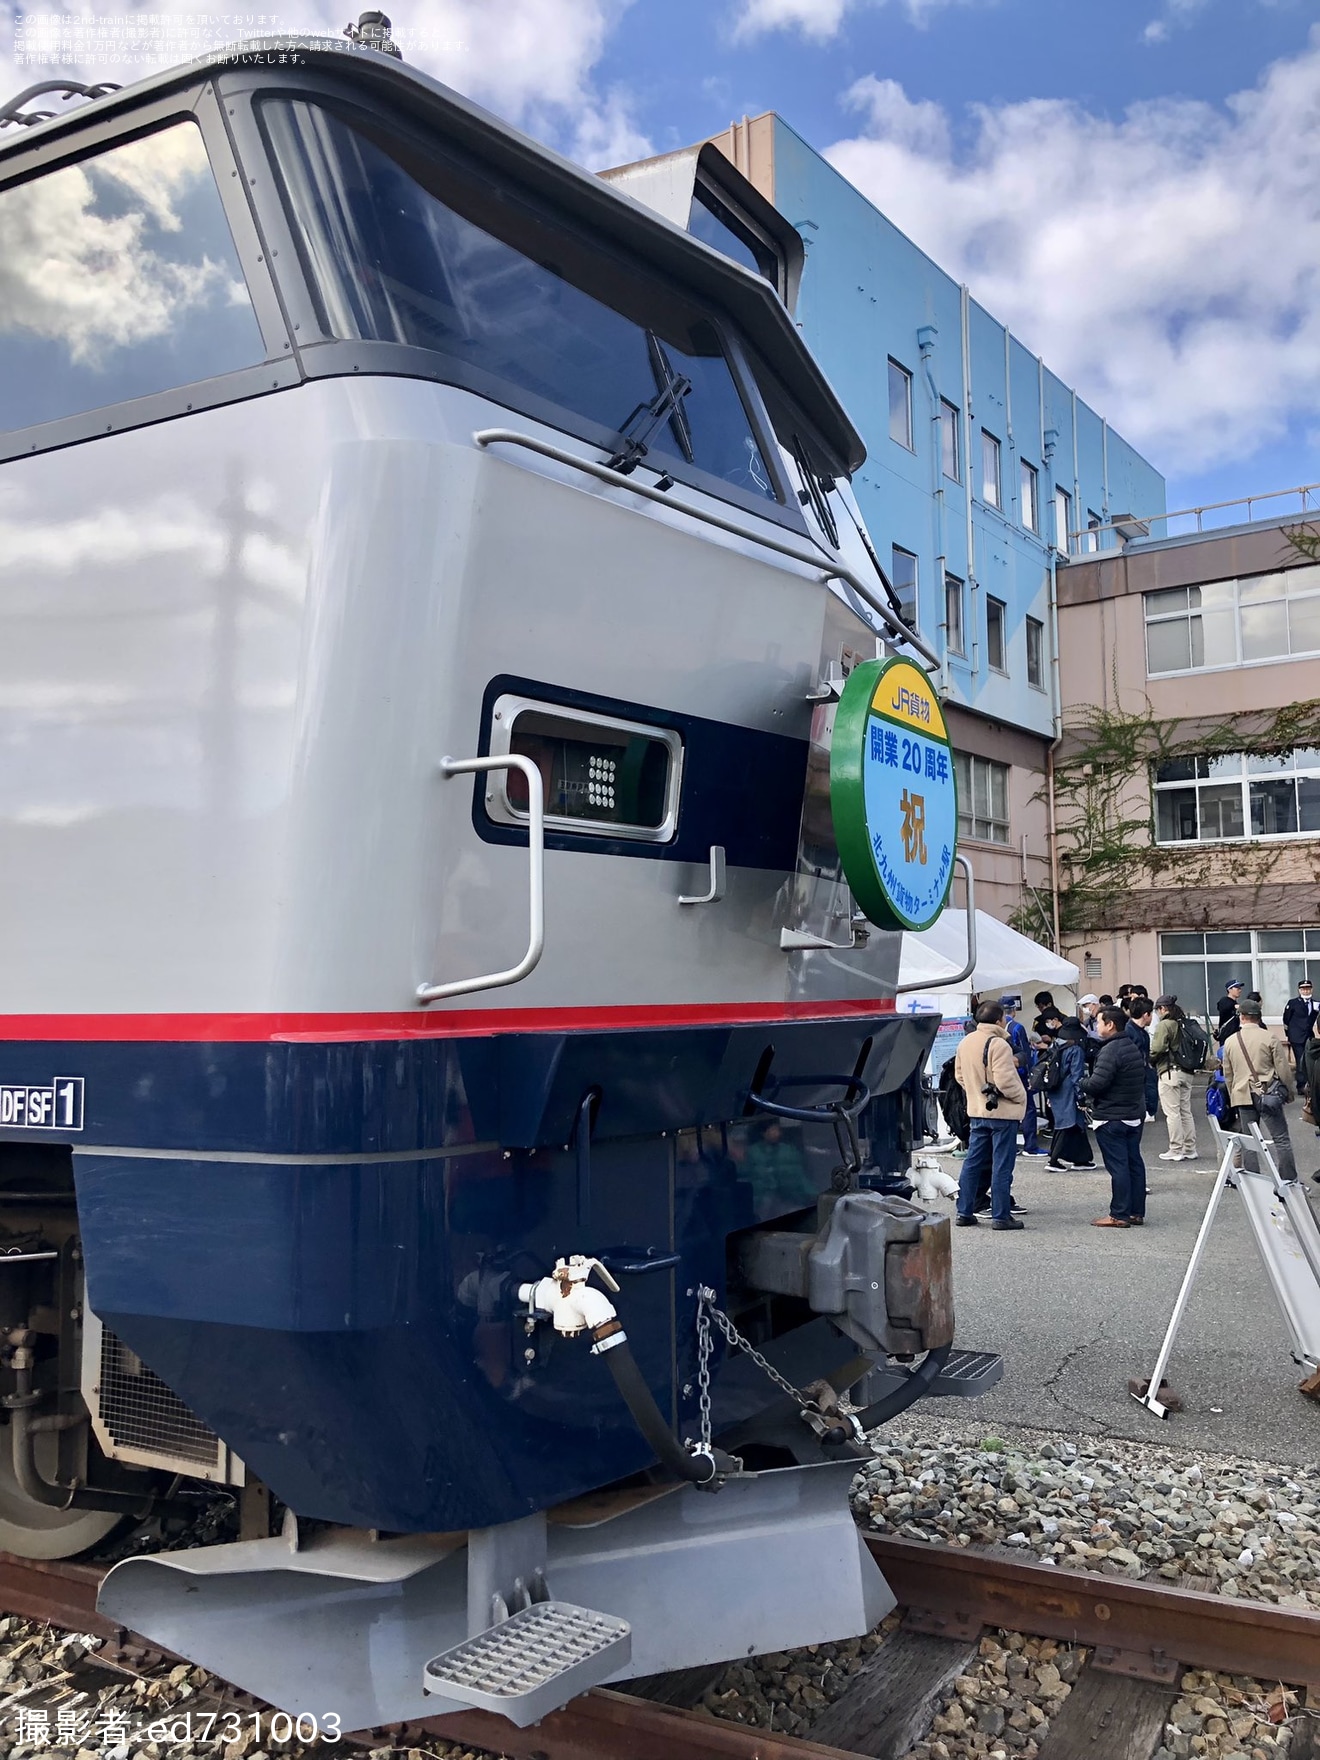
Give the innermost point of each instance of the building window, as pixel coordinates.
(991, 492)
(1233, 623)
(954, 638)
(903, 573)
(1195, 968)
(996, 648)
(1036, 653)
(982, 798)
(1062, 520)
(950, 450)
(900, 405)
(1030, 498)
(1238, 796)
(1091, 542)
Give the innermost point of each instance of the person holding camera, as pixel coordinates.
(1259, 1074)
(996, 1103)
(1116, 1088)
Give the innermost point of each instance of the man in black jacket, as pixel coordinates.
(1139, 1010)
(1116, 1088)
(1298, 1020)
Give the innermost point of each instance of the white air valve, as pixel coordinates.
(569, 1302)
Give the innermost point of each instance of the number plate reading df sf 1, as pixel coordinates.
(893, 796)
(56, 1106)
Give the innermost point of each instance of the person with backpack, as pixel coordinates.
(1178, 1047)
(1024, 1057)
(1060, 1075)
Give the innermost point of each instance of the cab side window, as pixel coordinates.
(416, 252)
(118, 278)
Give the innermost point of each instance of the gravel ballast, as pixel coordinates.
(1122, 1509)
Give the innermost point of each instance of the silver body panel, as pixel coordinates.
(233, 649)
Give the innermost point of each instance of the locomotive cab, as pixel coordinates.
(428, 597)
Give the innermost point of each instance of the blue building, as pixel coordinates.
(984, 470)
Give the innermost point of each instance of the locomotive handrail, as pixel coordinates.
(821, 559)
(942, 980)
(536, 853)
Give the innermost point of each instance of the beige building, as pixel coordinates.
(1186, 787)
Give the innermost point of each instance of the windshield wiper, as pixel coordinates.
(665, 406)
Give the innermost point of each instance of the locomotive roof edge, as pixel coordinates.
(749, 299)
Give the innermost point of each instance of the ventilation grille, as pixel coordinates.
(141, 1413)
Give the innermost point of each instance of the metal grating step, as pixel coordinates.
(533, 1662)
(969, 1374)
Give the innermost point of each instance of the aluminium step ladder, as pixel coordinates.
(1283, 1226)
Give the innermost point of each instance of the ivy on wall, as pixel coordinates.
(1104, 804)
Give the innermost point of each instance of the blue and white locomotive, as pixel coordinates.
(399, 525)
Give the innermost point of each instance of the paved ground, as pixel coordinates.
(1075, 1311)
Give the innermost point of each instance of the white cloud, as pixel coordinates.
(532, 61)
(1166, 263)
(821, 20)
(1175, 13)
(73, 274)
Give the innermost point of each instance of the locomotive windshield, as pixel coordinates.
(416, 250)
(118, 278)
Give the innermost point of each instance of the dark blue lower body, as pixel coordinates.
(318, 1246)
(991, 1154)
(1120, 1146)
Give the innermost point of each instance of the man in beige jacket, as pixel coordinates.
(1253, 1057)
(996, 1104)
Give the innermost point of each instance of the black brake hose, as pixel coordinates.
(915, 1383)
(698, 1469)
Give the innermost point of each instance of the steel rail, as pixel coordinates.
(1149, 1625)
(1137, 1628)
(606, 1725)
(62, 1594)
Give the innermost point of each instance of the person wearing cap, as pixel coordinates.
(1175, 1084)
(1023, 1057)
(1088, 1007)
(1258, 1070)
(1228, 1014)
(1298, 1019)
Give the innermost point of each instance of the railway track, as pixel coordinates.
(1138, 1638)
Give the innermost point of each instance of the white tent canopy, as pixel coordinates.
(1005, 960)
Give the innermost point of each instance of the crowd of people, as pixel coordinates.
(1110, 1067)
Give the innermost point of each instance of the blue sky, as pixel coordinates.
(1133, 186)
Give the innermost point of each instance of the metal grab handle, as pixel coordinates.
(942, 982)
(834, 571)
(536, 853)
(858, 1095)
(718, 880)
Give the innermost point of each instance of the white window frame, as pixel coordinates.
(1235, 604)
(904, 439)
(951, 424)
(1000, 665)
(955, 592)
(1308, 769)
(1062, 521)
(1305, 953)
(1029, 482)
(895, 551)
(985, 828)
(1036, 627)
(992, 484)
